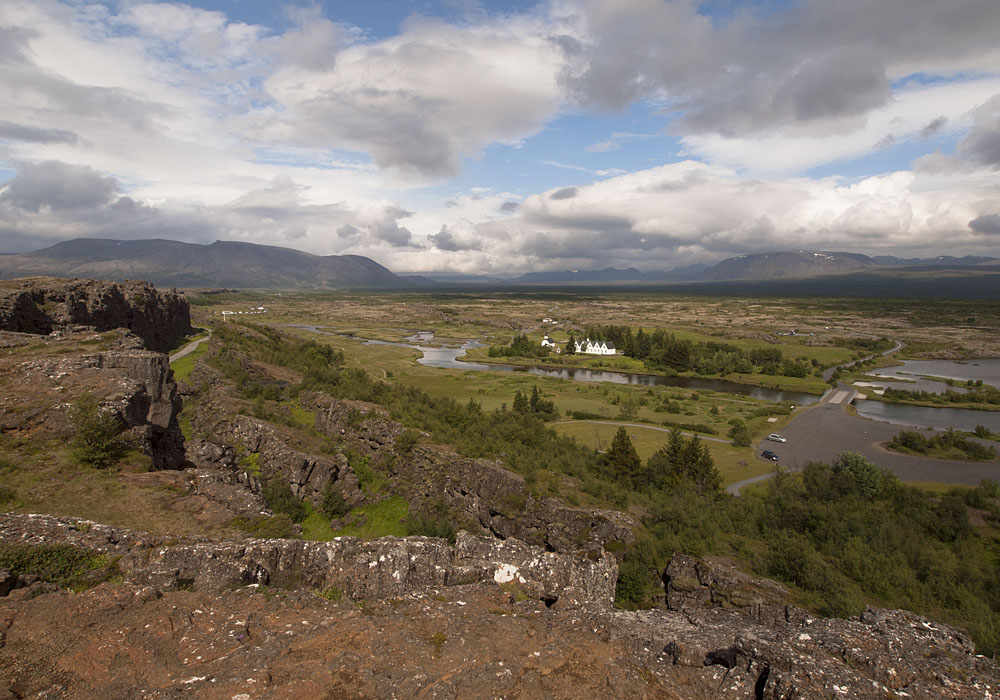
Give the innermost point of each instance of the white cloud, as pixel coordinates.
(903, 120)
(683, 212)
(421, 100)
(143, 119)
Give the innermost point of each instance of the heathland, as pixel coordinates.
(294, 382)
(841, 534)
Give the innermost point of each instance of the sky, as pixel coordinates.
(465, 137)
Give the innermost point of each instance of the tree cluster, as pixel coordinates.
(661, 350)
(681, 462)
(948, 443)
(520, 346)
(986, 394)
(535, 405)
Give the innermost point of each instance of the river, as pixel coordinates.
(448, 357)
(901, 414)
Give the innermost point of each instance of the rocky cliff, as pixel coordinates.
(136, 385)
(478, 492)
(44, 304)
(416, 618)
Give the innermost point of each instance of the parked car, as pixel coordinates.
(767, 454)
(774, 437)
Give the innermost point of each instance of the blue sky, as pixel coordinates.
(478, 137)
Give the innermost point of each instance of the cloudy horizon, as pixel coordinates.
(493, 138)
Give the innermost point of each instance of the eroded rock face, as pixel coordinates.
(360, 569)
(480, 491)
(474, 621)
(45, 304)
(137, 385)
(696, 584)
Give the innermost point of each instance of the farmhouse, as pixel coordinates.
(595, 347)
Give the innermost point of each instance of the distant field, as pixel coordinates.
(925, 325)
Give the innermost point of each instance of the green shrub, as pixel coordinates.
(407, 441)
(95, 440)
(280, 499)
(740, 435)
(7, 496)
(62, 564)
(334, 505)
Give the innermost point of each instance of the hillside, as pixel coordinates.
(220, 264)
(321, 532)
(780, 265)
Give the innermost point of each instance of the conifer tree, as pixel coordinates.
(622, 459)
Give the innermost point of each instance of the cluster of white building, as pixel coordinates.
(253, 310)
(584, 347)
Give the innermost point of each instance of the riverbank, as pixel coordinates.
(807, 385)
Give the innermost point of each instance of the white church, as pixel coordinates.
(594, 347)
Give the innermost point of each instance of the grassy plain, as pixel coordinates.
(346, 320)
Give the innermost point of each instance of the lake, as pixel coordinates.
(928, 417)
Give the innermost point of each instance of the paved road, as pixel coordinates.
(828, 372)
(824, 430)
(189, 348)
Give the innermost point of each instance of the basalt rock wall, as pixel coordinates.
(436, 624)
(136, 385)
(480, 492)
(359, 569)
(45, 304)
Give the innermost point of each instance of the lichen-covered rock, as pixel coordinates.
(136, 385)
(360, 569)
(473, 621)
(692, 584)
(45, 304)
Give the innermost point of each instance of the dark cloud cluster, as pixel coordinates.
(58, 187)
(982, 144)
(987, 223)
(34, 134)
(446, 240)
(816, 64)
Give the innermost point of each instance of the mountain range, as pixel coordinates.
(220, 264)
(249, 265)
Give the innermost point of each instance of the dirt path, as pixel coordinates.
(189, 348)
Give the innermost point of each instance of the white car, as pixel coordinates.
(774, 437)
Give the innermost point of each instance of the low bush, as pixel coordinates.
(96, 441)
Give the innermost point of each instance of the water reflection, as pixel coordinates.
(929, 417)
(448, 357)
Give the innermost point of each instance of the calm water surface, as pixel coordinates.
(448, 357)
(928, 417)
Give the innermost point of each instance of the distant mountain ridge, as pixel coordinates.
(250, 265)
(220, 264)
(892, 260)
(783, 265)
(776, 265)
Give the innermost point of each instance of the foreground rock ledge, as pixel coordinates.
(468, 640)
(358, 569)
